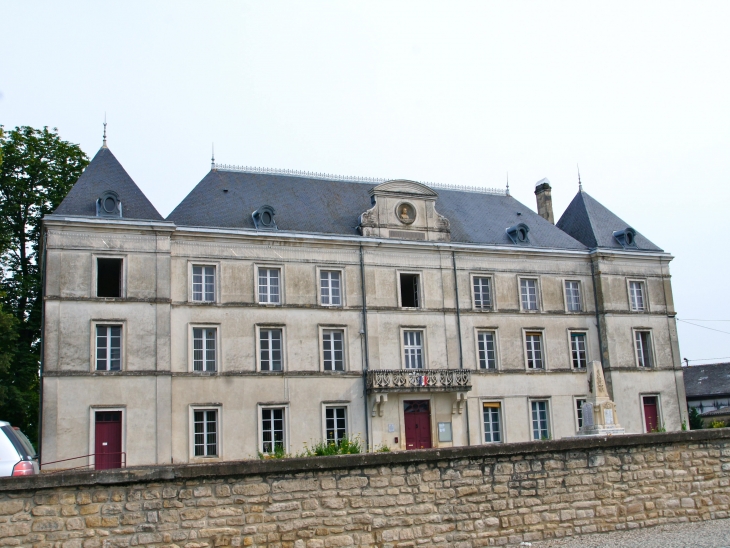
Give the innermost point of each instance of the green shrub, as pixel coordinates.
(278, 453)
(717, 424)
(695, 421)
(346, 446)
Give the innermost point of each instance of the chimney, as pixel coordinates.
(544, 200)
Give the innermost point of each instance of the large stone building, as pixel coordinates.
(278, 309)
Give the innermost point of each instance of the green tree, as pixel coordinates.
(695, 421)
(37, 171)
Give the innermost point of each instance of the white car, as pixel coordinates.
(17, 456)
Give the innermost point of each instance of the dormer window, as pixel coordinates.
(109, 205)
(518, 234)
(263, 218)
(626, 237)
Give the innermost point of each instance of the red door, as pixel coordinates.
(108, 438)
(417, 417)
(651, 413)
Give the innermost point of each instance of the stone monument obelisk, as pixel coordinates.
(599, 412)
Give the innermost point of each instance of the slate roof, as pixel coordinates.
(592, 224)
(716, 413)
(707, 380)
(102, 174)
(306, 204)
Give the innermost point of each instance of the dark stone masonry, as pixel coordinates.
(462, 497)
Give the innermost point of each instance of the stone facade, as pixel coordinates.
(156, 387)
(460, 497)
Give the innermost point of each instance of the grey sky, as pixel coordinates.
(451, 92)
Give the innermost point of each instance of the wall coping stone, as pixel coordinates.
(258, 467)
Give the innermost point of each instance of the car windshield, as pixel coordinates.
(25, 441)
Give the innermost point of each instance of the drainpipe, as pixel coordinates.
(461, 350)
(365, 338)
(44, 236)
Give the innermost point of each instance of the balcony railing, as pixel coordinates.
(419, 380)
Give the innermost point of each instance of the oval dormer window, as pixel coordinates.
(109, 205)
(519, 233)
(626, 237)
(263, 218)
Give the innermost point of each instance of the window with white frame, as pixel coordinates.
(270, 349)
(540, 421)
(203, 283)
(492, 422)
(528, 293)
(409, 294)
(533, 348)
(636, 295)
(330, 287)
(272, 430)
(205, 432)
(579, 411)
(572, 296)
(578, 350)
(335, 424)
(333, 353)
(644, 355)
(413, 349)
(482, 293)
(108, 347)
(269, 285)
(486, 344)
(204, 348)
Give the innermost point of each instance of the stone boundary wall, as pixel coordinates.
(461, 497)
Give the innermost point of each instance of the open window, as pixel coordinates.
(409, 297)
(108, 277)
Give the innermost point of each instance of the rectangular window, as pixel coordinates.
(540, 425)
(492, 426)
(413, 349)
(528, 293)
(332, 349)
(579, 411)
(269, 285)
(108, 347)
(205, 424)
(643, 348)
(108, 277)
(572, 296)
(336, 424)
(270, 348)
(409, 290)
(636, 292)
(487, 351)
(578, 350)
(533, 347)
(329, 284)
(203, 283)
(482, 293)
(272, 430)
(204, 358)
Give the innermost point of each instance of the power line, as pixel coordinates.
(698, 320)
(703, 326)
(706, 359)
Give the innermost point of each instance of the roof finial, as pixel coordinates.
(508, 184)
(580, 185)
(212, 156)
(103, 144)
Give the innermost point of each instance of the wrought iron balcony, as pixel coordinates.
(418, 380)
